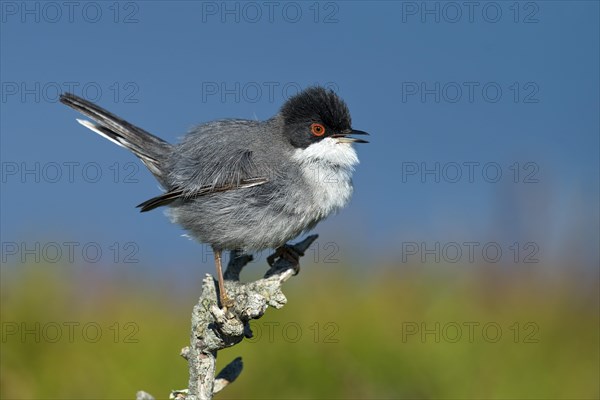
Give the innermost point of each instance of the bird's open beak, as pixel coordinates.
(344, 137)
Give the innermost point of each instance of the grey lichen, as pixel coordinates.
(215, 328)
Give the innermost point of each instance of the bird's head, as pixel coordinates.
(317, 122)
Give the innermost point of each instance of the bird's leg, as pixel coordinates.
(225, 301)
(289, 253)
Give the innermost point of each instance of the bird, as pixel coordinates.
(246, 185)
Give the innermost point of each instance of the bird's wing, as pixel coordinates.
(215, 157)
(179, 194)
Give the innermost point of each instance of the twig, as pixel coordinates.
(214, 328)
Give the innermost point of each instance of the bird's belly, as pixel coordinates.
(263, 217)
(239, 222)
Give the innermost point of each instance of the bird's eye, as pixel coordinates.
(317, 129)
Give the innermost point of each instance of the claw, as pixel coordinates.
(288, 253)
(226, 302)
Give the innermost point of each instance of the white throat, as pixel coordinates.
(327, 167)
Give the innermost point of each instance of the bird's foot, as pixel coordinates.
(289, 253)
(226, 302)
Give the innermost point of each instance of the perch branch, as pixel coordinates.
(214, 329)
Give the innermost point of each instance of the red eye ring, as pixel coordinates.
(317, 129)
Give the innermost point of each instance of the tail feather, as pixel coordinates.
(149, 148)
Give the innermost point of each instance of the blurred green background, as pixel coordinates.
(392, 331)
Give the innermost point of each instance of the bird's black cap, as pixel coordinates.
(315, 114)
(317, 104)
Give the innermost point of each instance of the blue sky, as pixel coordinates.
(503, 88)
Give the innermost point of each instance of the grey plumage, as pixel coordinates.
(247, 185)
(152, 150)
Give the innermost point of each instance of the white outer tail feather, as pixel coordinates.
(94, 127)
